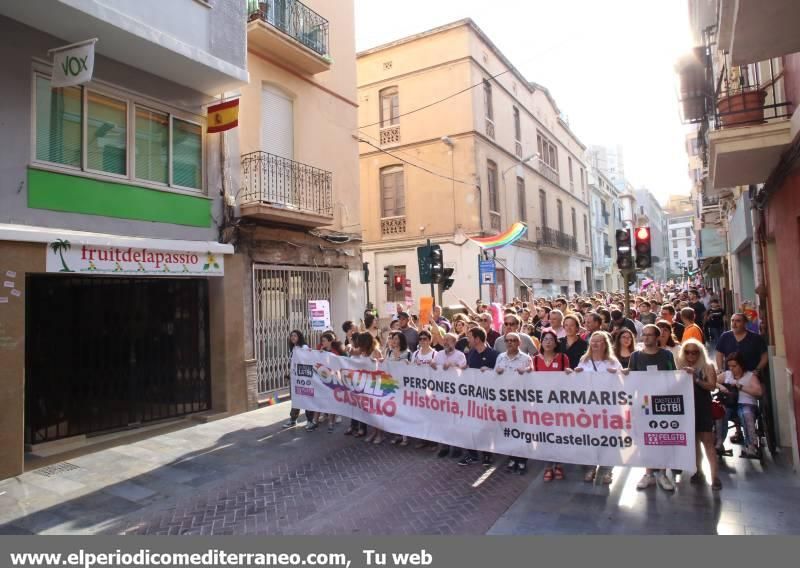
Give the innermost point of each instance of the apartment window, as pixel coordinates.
(586, 232)
(691, 264)
(687, 232)
(674, 254)
(494, 197)
(393, 195)
(571, 177)
(583, 182)
(547, 151)
(113, 125)
(523, 206)
(390, 107)
(574, 224)
(689, 253)
(517, 126)
(487, 99)
(543, 207)
(674, 233)
(560, 213)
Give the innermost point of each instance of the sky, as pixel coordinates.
(609, 64)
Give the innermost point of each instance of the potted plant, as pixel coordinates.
(741, 105)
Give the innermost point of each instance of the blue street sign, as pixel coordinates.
(487, 272)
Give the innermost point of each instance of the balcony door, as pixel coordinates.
(278, 178)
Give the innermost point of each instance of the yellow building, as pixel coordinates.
(298, 233)
(472, 165)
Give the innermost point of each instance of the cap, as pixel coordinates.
(403, 315)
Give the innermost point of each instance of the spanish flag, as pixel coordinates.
(223, 116)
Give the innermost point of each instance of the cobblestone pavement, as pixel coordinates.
(248, 475)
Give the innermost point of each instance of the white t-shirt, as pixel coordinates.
(421, 358)
(456, 358)
(560, 332)
(744, 398)
(520, 361)
(598, 366)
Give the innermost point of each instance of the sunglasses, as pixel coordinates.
(513, 323)
(692, 352)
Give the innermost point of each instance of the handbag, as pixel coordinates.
(717, 410)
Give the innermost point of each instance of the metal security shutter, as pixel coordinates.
(277, 123)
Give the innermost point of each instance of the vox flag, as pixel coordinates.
(223, 116)
(73, 64)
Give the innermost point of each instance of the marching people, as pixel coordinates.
(481, 357)
(397, 351)
(552, 360)
(297, 341)
(571, 344)
(694, 360)
(511, 323)
(743, 390)
(690, 329)
(624, 346)
(599, 358)
(512, 360)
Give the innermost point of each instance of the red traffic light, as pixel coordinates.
(398, 282)
(642, 234)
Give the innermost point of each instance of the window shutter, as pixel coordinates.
(277, 123)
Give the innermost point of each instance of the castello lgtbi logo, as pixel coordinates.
(371, 390)
(661, 405)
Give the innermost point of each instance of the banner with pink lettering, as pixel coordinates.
(643, 419)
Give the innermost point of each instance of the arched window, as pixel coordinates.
(390, 107)
(393, 194)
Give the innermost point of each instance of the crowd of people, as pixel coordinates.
(666, 328)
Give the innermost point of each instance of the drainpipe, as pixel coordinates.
(758, 244)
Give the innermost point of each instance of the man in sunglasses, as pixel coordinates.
(511, 324)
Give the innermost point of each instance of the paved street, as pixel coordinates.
(246, 475)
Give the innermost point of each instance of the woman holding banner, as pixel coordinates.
(598, 359)
(552, 360)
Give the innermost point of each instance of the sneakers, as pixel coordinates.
(646, 481)
(716, 485)
(487, 460)
(467, 460)
(311, 426)
(511, 465)
(521, 468)
(290, 424)
(664, 482)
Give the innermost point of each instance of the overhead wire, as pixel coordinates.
(396, 157)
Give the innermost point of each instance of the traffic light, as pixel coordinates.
(437, 265)
(644, 258)
(624, 250)
(424, 262)
(388, 275)
(398, 281)
(447, 279)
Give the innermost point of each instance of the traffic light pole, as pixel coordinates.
(628, 275)
(430, 266)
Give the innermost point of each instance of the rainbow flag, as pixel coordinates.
(508, 237)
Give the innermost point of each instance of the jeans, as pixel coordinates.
(747, 419)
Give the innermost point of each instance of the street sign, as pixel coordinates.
(487, 272)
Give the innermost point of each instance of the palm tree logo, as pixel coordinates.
(58, 248)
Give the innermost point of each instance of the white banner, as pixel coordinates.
(73, 65)
(62, 256)
(643, 419)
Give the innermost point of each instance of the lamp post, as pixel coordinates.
(627, 200)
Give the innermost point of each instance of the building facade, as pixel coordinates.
(610, 160)
(741, 88)
(606, 218)
(296, 224)
(497, 154)
(115, 306)
(682, 242)
(648, 211)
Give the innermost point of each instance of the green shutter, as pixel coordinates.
(58, 123)
(106, 134)
(187, 154)
(152, 145)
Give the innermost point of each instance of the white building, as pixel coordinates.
(608, 159)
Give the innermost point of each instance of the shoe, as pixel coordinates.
(750, 454)
(371, 437)
(548, 474)
(737, 439)
(511, 465)
(698, 478)
(646, 481)
(443, 453)
(558, 473)
(607, 479)
(521, 468)
(394, 440)
(290, 424)
(338, 419)
(377, 440)
(311, 426)
(421, 444)
(487, 460)
(664, 482)
(349, 431)
(588, 477)
(330, 428)
(716, 485)
(467, 460)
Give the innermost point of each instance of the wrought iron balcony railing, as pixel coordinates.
(749, 94)
(295, 19)
(284, 183)
(545, 236)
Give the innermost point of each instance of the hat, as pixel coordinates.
(403, 315)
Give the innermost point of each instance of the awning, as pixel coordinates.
(712, 267)
(31, 234)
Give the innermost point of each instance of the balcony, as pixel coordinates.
(291, 32)
(558, 240)
(393, 226)
(284, 191)
(390, 135)
(544, 168)
(754, 31)
(751, 126)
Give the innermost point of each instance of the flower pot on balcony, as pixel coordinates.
(741, 109)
